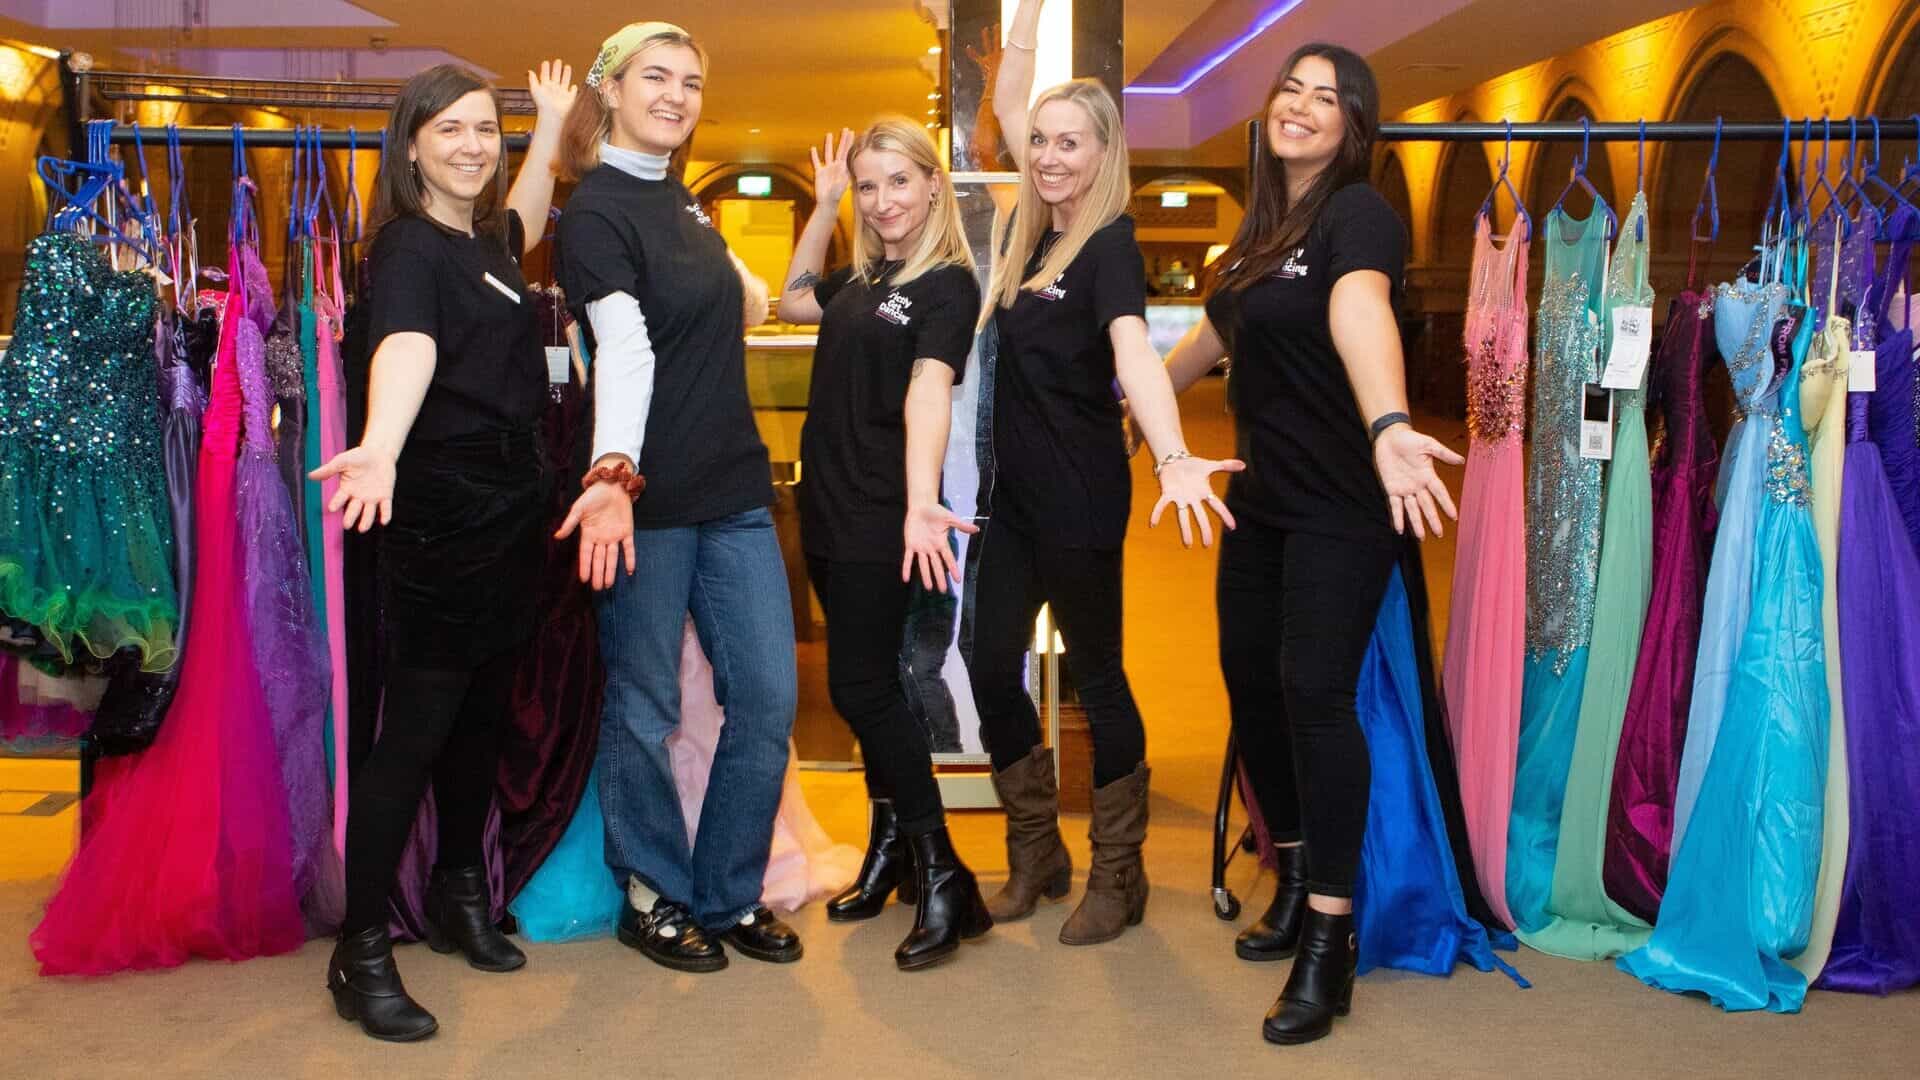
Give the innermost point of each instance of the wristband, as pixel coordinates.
(618, 473)
(1385, 422)
(1177, 455)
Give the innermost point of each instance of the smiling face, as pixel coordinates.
(457, 152)
(1063, 156)
(894, 196)
(1304, 122)
(656, 99)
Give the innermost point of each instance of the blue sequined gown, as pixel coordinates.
(1563, 556)
(1739, 903)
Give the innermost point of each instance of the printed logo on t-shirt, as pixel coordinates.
(894, 309)
(1053, 291)
(699, 215)
(1293, 267)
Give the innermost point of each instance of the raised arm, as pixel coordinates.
(1360, 316)
(830, 182)
(532, 193)
(1013, 85)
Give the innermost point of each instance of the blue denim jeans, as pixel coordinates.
(728, 573)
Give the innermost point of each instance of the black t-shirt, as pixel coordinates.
(853, 488)
(1309, 460)
(702, 456)
(1061, 470)
(466, 293)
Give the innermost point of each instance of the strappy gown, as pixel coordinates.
(187, 852)
(1740, 901)
(1892, 426)
(1744, 316)
(1582, 923)
(1876, 941)
(1823, 404)
(1684, 461)
(1487, 627)
(1563, 556)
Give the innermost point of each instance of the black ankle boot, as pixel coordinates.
(366, 987)
(1277, 933)
(459, 917)
(950, 908)
(886, 868)
(1320, 986)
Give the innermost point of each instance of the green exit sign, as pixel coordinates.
(1172, 199)
(756, 185)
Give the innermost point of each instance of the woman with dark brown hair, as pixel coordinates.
(448, 466)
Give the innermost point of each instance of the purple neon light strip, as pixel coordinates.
(1259, 27)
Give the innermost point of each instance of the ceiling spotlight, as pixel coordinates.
(753, 131)
(935, 96)
(933, 50)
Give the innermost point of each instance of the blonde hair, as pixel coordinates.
(590, 122)
(1018, 237)
(943, 239)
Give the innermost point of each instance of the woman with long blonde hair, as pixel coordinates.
(896, 327)
(1068, 302)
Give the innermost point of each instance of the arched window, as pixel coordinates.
(1392, 185)
(1464, 182)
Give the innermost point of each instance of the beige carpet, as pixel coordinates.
(1168, 999)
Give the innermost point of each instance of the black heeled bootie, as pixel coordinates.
(1277, 933)
(1320, 986)
(366, 987)
(950, 909)
(887, 868)
(459, 917)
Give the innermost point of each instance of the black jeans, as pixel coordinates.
(866, 606)
(437, 726)
(1015, 575)
(1296, 613)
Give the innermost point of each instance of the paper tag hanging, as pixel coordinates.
(1632, 345)
(559, 361)
(1596, 423)
(1862, 378)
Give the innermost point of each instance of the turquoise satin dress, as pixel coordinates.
(1739, 903)
(1563, 556)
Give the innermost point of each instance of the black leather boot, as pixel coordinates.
(886, 868)
(1320, 986)
(1277, 933)
(950, 909)
(366, 987)
(459, 917)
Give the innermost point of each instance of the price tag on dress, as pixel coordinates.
(1632, 344)
(1596, 424)
(1862, 378)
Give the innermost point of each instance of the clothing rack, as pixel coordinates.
(296, 94)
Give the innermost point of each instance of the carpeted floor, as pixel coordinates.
(1167, 999)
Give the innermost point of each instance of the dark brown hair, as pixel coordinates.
(1273, 227)
(398, 190)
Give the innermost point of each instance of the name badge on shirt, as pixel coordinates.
(505, 289)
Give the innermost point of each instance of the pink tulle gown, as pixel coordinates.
(187, 851)
(1486, 634)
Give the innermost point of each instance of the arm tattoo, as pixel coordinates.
(807, 280)
(918, 365)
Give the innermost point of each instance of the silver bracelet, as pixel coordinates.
(1177, 455)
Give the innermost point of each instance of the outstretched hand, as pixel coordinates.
(366, 487)
(604, 515)
(927, 546)
(1415, 493)
(1187, 486)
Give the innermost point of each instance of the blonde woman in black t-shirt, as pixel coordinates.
(896, 327)
(1067, 303)
(1335, 474)
(448, 467)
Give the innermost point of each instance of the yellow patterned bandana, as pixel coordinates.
(629, 39)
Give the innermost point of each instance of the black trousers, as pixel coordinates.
(1296, 613)
(440, 727)
(1015, 575)
(866, 606)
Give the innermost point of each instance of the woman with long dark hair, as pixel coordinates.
(1067, 300)
(448, 466)
(1335, 474)
(680, 483)
(896, 327)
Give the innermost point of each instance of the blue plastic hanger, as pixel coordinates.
(76, 190)
(321, 198)
(242, 227)
(1579, 180)
(1709, 202)
(1821, 186)
(355, 219)
(1505, 181)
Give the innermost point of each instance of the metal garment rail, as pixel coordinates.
(278, 138)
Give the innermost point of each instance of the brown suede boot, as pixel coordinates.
(1116, 881)
(1037, 860)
